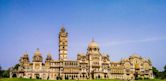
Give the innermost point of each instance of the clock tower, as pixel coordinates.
(63, 44)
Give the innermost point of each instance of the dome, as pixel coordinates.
(37, 53)
(37, 56)
(49, 57)
(93, 44)
(25, 56)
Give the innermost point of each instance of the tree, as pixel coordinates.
(0, 71)
(162, 74)
(165, 68)
(155, 72)
(5, 73)
(16, 66)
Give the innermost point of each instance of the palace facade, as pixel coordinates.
(90, 65)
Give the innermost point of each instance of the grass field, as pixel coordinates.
(22, 79)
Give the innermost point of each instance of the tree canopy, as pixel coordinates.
(159, 74)
(16, 66)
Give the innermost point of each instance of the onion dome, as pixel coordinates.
(93, 44)
(93, 48)
(37, 56)
(37, 53)
(25, 56)
(49, 57)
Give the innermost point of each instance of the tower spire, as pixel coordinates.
(62, 28)
(37, 49)
(63, 44)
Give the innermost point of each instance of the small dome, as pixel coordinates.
(49, 57)
(25, 56)
(49, 54)
(93, 44)
(37, 53)
(37, 56)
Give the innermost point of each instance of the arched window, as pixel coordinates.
(90, 49)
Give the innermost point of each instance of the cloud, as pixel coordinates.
(137, 41)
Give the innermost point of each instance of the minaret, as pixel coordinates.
(63, 44)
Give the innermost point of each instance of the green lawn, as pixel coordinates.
(22, 79)
(152, 80)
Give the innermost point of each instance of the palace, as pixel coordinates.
(91, 65)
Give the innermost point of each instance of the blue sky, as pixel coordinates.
(121, 27)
